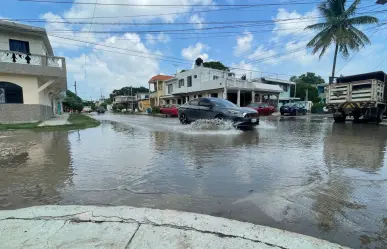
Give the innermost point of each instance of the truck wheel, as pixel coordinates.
(340, 119)
(381, 110)
(380, 116)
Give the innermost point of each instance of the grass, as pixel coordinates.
(78, 121)
(19, 126)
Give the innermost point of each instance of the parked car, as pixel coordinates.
(293, 109)
(214, 108)
(171, 110)
(87, 109)
(262, 108)
(100, 109)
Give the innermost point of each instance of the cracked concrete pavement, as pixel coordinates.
(138, 228)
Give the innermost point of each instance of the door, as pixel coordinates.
(266, 109)
(205, 109)
(192, 111)
(261, 109)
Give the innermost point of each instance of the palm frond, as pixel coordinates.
(362, 20)
(318, 26)
(352, 9)
(363, 37)
(344, 51)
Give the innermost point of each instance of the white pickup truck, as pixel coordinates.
(360, 96)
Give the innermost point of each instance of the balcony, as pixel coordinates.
(32, 64)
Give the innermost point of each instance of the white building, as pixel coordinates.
(208, 82)
(284, 96)
(32, 80)
(142, 96)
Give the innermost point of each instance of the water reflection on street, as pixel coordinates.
(305, 174)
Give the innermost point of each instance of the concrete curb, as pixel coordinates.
(137, 228)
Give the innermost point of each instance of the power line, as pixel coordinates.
(170, 5)
(88, 35)
(131, 16)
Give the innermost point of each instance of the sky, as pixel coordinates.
(117, 43)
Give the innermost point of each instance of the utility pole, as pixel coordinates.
(131, 96)
(75, 86)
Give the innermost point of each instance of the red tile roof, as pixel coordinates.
(160, 78)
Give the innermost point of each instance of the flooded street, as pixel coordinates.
(305, 174)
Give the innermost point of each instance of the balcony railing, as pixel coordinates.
(32, 59)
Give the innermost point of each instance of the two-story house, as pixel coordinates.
(32, 80)
(284, 96)
(157, 83)
(201, 81)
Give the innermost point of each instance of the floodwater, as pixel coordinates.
(305, 174)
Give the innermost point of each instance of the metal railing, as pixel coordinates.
(32, 59)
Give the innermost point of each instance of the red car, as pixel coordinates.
(262, 108)
(171, 110)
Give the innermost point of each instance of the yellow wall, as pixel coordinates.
(29, 85)
(143, 105)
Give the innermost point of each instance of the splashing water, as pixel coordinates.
(212, 124)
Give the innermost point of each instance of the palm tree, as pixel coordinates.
(339, 29)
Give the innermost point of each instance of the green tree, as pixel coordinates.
(309, 78)
(312, 92)
(339, 29)
(73, 101)
(216, 65)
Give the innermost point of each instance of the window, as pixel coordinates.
(223, 103)
(181, 83)
(170, 88)
(189, 81)
(284, 87)
(2, 95)
(10, 93)
(205, 102)
(194, 102)
(194, 96)
(215, 77)
(195, 76)
(199, 96)
(19, 46)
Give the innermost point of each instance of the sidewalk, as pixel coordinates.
(57, 120)
(138, 228)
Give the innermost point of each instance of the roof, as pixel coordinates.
(160, 77)
(264, 79)
(278, 80)
(379, 75)
(268, 88)
(29, 30)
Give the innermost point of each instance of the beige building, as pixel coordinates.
(157, 83)
(32, 80)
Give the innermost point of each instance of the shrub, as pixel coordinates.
(156, 110)
(317, 108)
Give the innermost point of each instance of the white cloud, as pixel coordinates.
(107, 70)
(160, 38)
(192, 52)
(295, 26)
(121, 13)
(197, 20)
(245, 68)
(67, 32)
(266, 55)
(243, 44)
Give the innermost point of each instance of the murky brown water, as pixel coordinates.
(305, 175)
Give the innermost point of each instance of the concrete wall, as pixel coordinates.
(36, 44)
(29, 85)
(21, 113)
